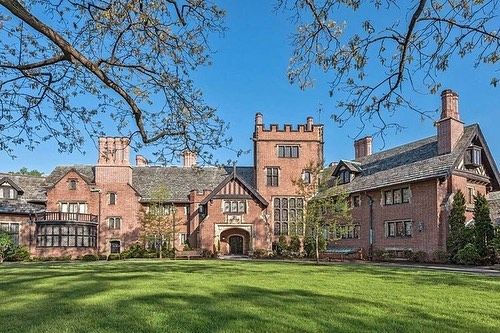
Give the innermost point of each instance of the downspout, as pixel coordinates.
(371, 234)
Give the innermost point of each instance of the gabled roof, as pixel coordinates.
(349, 165)
(181, 180)
(87, 172)
(415, 161)
(234, 176)
(12, 184)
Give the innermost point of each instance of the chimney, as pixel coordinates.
(258, 119)
(363, 147)
(189, 159)
(449, 127)
(309, 124)
(141, 161)
(113, 151)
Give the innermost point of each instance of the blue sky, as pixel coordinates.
(248, 75)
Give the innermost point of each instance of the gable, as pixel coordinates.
(71, 174)
(10, 183)
(488, 166)
(234, 187)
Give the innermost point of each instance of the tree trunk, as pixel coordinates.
(161, 247)
(317, 246)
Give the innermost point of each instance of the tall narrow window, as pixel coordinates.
(12, 229)
(272, 176)
(306, 177)
(112, 198)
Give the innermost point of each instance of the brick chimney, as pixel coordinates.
(449, 127)
(113, 165)
(113, 151)
(363, 147)
(189, 159)
(141, 161)
(309, 124)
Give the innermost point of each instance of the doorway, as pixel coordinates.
(236, 244)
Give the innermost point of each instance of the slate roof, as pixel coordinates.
(411, 162)
(180, 181)
(86, 171)
(31, 186)
(32, 198)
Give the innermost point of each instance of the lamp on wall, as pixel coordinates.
(420, 226)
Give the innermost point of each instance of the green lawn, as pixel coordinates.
(222, 296)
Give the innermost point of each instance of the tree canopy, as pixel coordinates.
(66, 62)
(389, 51)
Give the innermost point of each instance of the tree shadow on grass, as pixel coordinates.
(190, 297)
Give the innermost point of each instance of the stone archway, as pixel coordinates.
(235, 241)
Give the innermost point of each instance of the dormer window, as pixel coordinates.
(344, 176)
(473, 156)
(7, 192)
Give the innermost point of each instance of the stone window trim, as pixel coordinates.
(73, 207)
(13, 229)
(356, 200)
(396, 196)
(343, 231)
(66, 235)
(115, 246)
(112, 198)
(272, 176)
(230, 206)
(398, 228)
(306, 176)
(114, 222)
(288, 151)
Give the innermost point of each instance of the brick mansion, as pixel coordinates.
(400, 197)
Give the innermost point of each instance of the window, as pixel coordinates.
(471, 192)
(72, 184)
(115, 246)
(184, 239)
(344, 176)
(12, 229)
(162, 209)
(66, 235)
(234, 206)
(306, 176)
(288, 151)
(112, 198)
(272, 176)
(7, 192)
(73, 207)
(397, 196)
(114, 222)
(473, 157)
(399, 229)
(356, 201)
(346, 232)
(288, 216)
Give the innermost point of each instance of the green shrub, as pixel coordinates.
(260, 253)
(90, 257)
(468, 255)
(440, 256)
(103, 257)
(167, 253)
(294, 244)
(134, 251)
(114, 256)
(420, 256)
(150, 255)
(17, 253)
(408, 254)
(207, 253)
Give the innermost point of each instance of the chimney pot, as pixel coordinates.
(258, 119)
(141, 161)
(449, 127)
(309, 124)
(449, 104)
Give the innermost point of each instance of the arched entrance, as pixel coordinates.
(236, 244)
(234, 241)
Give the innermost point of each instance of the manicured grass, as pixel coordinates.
(222, 296)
